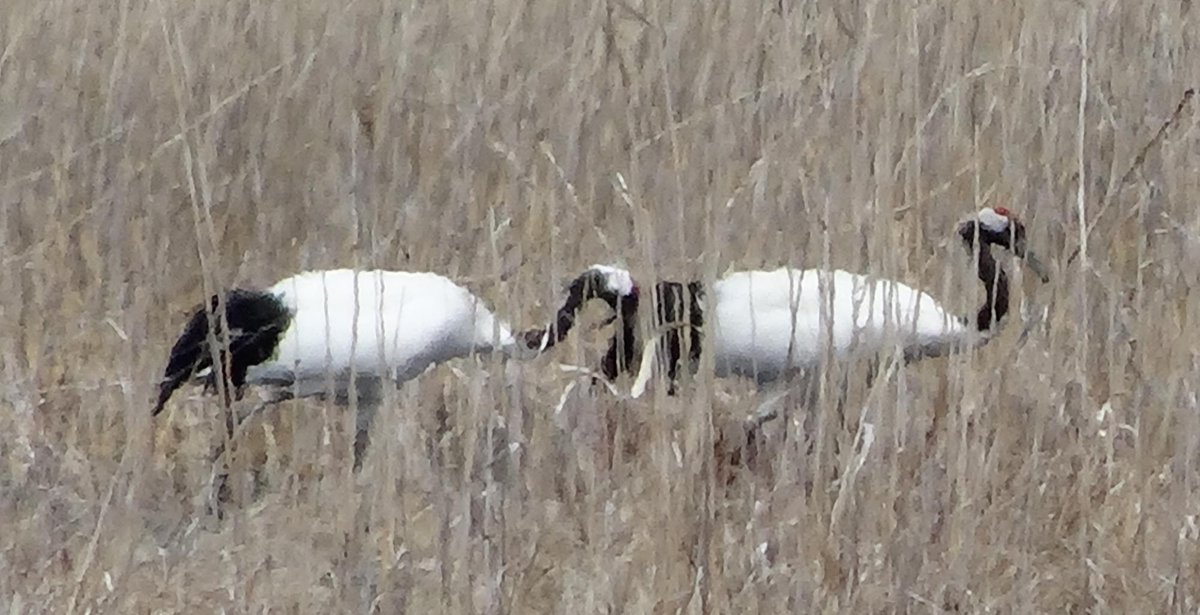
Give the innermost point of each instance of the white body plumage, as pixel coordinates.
(391, 324)
(768, 323)
(336, 331)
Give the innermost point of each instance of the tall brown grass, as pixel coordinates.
(153, 151)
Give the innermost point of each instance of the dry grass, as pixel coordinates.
(149, 151)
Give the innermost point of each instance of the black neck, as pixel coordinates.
(995, 284)
(579, 292)
(564, 320)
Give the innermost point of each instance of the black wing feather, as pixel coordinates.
(255, 319)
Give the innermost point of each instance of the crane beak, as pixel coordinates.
(1035, 264)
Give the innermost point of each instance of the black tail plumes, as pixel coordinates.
(255, 321)
(679, 307)
(675, 307)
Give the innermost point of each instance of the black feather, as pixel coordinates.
(255, 319)
(680, 309)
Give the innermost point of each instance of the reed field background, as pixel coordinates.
(151, 152)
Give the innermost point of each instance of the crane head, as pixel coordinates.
(614, 285)
(609, 283)
(999, 226)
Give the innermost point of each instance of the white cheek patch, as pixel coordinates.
(616, 279)
(992, 221)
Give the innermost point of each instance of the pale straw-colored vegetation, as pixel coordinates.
(152, 150)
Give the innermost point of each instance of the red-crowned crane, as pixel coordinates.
(768, 325)
(354, 329)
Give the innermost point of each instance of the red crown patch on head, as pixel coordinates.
(1003, 211)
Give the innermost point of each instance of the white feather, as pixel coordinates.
(768, 323)
(386, 323)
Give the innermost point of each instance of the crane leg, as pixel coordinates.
(369, 391)
(364, 417)
(219, 460)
